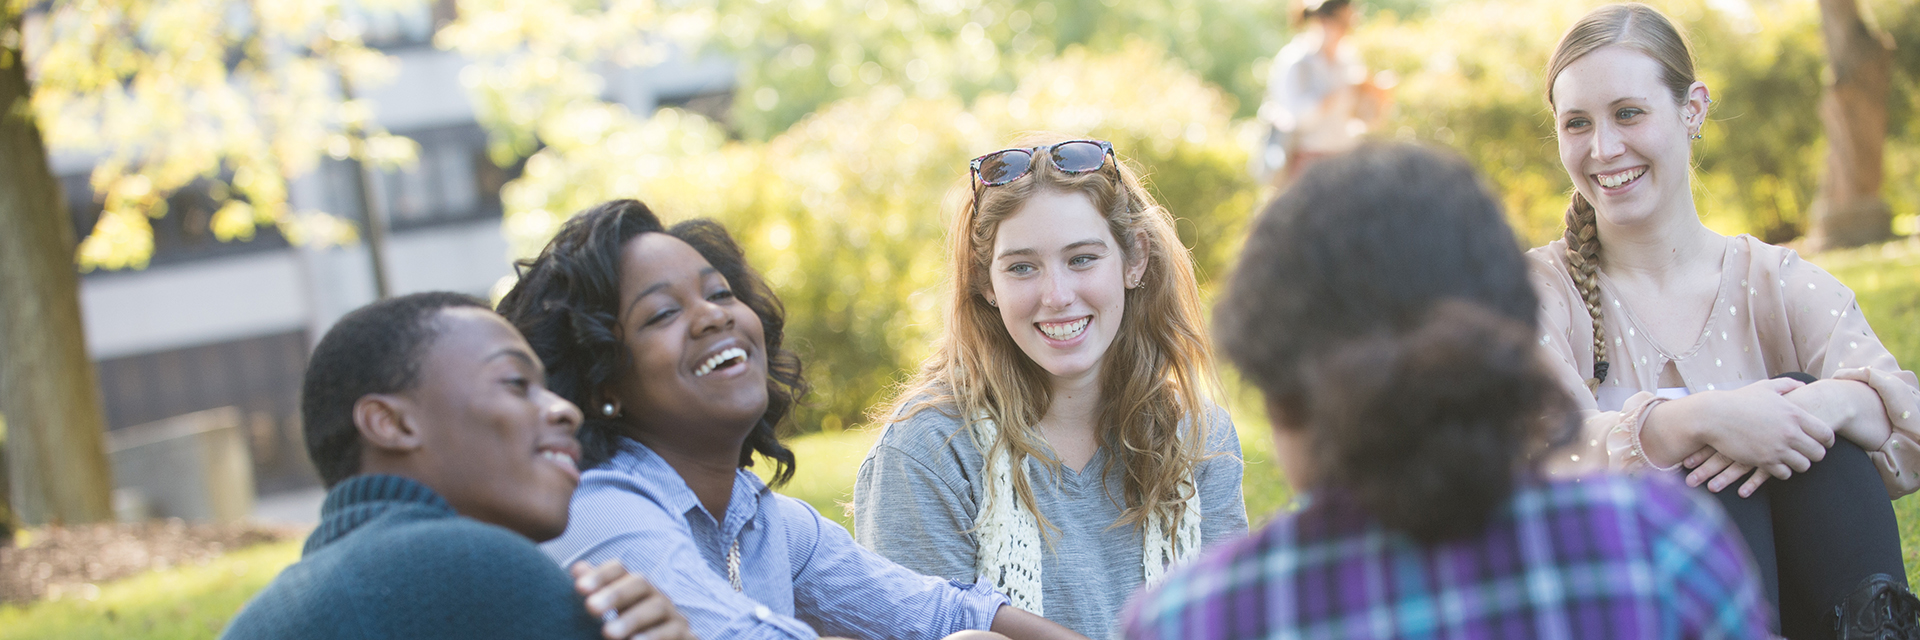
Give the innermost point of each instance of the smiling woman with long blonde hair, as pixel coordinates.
(1060, 443)
(1738, 360)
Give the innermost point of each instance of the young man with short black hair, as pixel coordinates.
(446, 459)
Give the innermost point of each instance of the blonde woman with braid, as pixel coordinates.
(1059, 444)
(1735, 362)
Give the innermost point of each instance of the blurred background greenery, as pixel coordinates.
(844, 151)
(843, 154)
(841, 150)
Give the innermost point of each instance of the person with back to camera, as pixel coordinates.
(446, 456)
(675, 343)
(1384, 311)
(1089, 457)
(1731, 357)
(1320, 97)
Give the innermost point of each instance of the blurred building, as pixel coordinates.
(213, 324)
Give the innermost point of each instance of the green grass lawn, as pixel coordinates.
(195, 602)
(1886, 280)
(173, 604)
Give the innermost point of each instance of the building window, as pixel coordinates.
(451, 180)
(184, 234)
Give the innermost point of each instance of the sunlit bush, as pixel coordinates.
(846, 211)
(808, 53)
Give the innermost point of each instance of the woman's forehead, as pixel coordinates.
(1049, 216)
(656, 256)
(1605, 75)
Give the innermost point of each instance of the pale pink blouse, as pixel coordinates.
(1774, 313)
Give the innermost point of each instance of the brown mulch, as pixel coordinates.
(61, 560)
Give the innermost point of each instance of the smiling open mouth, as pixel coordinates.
(725, 358)
(564, 459)
(1615, 180)
(1064, 330)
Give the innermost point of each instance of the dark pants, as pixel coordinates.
(1817, 534)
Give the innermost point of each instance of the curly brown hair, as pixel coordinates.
(1382, 304)
(567, 305)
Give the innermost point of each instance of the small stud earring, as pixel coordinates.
(607, 409)
(993, 304)
(1697, 136)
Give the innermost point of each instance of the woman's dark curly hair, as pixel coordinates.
(1383, 306)
(567, 305)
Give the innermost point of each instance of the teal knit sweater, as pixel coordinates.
(391, 559)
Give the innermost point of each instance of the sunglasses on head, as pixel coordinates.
(1072, 156)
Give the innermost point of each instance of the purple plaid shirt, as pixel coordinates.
(1607, 557)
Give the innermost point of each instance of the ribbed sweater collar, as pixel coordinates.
(359, 499)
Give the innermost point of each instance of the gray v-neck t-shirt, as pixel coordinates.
(920, 489)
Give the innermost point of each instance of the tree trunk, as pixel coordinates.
(56, 457)
(1848, 211)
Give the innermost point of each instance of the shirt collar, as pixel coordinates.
(655, 476)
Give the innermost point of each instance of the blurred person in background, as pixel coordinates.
(1725, 359)
(1320, 96)
(1385, 314)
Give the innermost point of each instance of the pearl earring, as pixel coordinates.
(607, 409)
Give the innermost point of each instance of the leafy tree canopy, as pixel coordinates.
(164, 93)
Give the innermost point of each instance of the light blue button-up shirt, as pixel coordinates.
(801, 574)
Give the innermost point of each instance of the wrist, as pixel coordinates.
(1665, 435)
(1852, 408)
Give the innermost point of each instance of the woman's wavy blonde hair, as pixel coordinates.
(1156, 379)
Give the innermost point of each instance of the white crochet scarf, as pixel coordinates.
(1009, 536)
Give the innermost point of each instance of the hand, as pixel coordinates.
(1757, 426)
(1021, 625)
(628, 603)
(1723, 472)
(1852, 407)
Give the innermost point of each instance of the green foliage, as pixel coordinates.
(170, 92)
(1761, 160)
(858, 116)
(1481, 94)
(1900, 19)
(536, 76)
(964, 48)
(845, 212)
(174, 604)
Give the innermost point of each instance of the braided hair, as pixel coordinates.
(1583, 263)
(1644, 29)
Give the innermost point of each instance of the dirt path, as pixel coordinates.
(62, 560)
